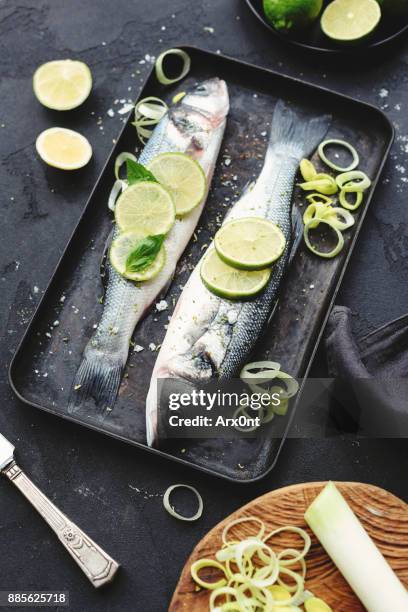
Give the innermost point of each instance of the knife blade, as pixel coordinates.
(97, 565)
(6, 452)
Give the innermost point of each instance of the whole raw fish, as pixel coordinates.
(209, 336)
(194, 126)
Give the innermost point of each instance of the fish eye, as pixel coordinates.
(201, 89)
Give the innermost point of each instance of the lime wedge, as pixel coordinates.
(228, 282)
(62, 84)
(63, 149)
(183, 178)
(250, 243)
(350, 20)
(146, 207)
(120, 250)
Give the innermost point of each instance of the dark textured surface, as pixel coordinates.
(112, 491)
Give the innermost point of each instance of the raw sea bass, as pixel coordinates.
(196, 127)
(209, 336)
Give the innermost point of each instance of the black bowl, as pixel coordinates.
(313, 38)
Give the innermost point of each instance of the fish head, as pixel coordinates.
(210, 98)
(200, 114)
(191, 367)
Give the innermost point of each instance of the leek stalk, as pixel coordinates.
(354, 553)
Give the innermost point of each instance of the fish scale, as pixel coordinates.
(195, 126)
(212, 337)
(253, 315)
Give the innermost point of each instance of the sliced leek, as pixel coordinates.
(247, 372)
(148, 112)
(255, 375)
(179, 96)
(315, 212)
(318, 198)
(353, 181)
(160, 74)
(200, 564)
(120, 184)
(250, 575)
(323, 183)
(339, 218)
(307, 170)
(325, 254)
(245, 519)
(343, 199)
(117, 188)
(268, 371)
(120, 160)
(346, 145)
(172, 511)
(345, 221)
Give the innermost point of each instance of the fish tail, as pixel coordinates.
(98, 378)
(297, 231)
(297, 129)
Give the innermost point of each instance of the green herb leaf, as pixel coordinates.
(144, 253)
(137, 172)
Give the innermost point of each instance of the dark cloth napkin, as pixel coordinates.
(371, 376)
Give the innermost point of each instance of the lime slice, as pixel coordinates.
(228, 282)
(350, 20)
(147, 207)
(250, 243)
(64, 149)
(120, 250)
(62, 84)
(183, 177)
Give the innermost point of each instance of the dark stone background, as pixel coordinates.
(112, 491)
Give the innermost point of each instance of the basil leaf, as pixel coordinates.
(137, 172)
(144, 253)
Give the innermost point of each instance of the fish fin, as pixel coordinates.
(151, 413)
(166, 288)
(104, 261)
(97, 377)
(249, 185)
(271, 314)
(297, 130)
(297, 231)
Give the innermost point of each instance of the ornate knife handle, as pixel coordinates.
(99, 567)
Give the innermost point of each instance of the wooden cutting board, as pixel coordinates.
(384, 516)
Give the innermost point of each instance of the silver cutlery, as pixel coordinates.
(99, 567)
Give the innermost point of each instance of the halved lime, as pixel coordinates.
(120, 250)
(62, 84)
(228, 282)
(146, 207)
(350, 20)
(63, 149)
(250, 243)
(183, 177)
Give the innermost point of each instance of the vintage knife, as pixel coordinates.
(99, 567)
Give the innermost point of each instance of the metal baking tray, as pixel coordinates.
(45, 362)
